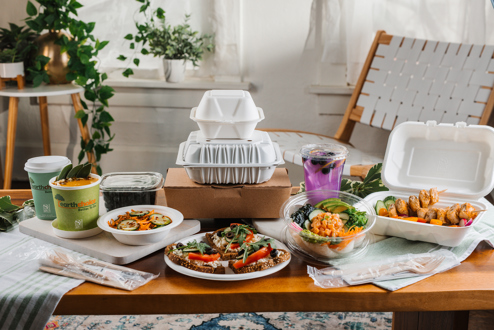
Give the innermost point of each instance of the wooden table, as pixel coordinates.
(439, 302)
(41, 92)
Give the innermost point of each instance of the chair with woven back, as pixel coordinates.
(407, 79)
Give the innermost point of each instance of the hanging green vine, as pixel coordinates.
(82, 48)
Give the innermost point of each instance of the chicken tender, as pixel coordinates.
(452, 214)
(430, 214)
(466, 211)
(434, 196)
(441, 214)
(392, 211)
(424, 198)
(414, 203)
(401, 206)
(421, 212)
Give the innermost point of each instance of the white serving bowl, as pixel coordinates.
(144, 237)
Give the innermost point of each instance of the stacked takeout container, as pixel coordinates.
(227, 149)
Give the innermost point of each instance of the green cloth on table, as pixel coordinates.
(395, 246)
(28, 296)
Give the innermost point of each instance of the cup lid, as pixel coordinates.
(324, 151)
(131, 181)
(46, 164)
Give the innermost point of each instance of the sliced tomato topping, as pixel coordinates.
(259, 254)
(204, 257)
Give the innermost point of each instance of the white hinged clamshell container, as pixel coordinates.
(227, 114)
(229, 161)
(459, 158)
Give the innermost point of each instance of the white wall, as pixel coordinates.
(149, 125)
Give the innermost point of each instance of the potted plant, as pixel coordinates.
(176, 45)
(10, 64)
(82, 48)
(16, 46)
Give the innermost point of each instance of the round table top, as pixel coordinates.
(43, 90)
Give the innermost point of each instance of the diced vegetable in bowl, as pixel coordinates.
(323, 225)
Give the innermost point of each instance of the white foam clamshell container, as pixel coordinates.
(229, 161)
(457, 157)
(227, 114)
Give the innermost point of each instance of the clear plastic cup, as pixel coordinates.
(323, 165)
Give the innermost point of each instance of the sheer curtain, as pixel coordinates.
(348, 26)
(115, 19)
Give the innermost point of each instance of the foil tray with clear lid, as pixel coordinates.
(229, 161)
(122, 189)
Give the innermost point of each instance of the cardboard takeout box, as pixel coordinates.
(195, 200)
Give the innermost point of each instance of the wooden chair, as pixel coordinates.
(406, 79)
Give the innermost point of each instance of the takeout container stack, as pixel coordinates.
(227, 149)
(458, 158)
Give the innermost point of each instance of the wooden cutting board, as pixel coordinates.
(104, 246)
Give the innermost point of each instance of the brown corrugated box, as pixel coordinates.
(195, 200)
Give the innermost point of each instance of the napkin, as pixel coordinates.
(394, 247)
(28, 296)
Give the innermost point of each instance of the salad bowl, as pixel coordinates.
(323, 225)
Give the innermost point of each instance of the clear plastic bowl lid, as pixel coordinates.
(131, 181)
(323, 151)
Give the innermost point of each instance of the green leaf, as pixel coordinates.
(31, 9)
(102, 45)
(136, 61)
(104, 76)
(71, 76)
(80, 157)
(6, 204)
(37, 80)
(99, 170)
(127, 72)
(96, 135)
(121, 58)
(132, 45)
(84, 59)
(129, 37)
(90, 27)
(106, 92)
(106, 117)
(160, 13)
(89, 145)
(79, 114)
(144, 51)
(90, 95)
(84, 120)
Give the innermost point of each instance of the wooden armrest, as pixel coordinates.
(360, 170)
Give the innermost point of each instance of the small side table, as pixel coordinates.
(41, 92)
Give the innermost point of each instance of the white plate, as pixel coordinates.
(230, 275)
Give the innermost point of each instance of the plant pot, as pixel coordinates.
(58, 66)
(174, 70)
(11, 70)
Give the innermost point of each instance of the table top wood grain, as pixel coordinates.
(469, 286)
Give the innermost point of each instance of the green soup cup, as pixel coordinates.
(77, 208)
(40, 170)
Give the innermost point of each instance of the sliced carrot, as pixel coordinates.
(436, 222)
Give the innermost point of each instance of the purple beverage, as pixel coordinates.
(323, 165)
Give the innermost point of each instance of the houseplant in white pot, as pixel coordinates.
(11, 65)
(176, 45)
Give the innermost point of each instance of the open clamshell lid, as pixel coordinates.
(457, 157)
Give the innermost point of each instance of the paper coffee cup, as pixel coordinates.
(40, 170)
(77, 208)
